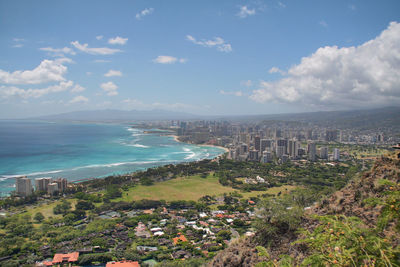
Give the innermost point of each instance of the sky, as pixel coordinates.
(202, 57)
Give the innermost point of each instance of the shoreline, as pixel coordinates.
(81, 180)
(176, 138)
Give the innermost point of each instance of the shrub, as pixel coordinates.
(346, 241)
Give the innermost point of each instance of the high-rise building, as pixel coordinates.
(267, 157)
(312, 151)
(323, 152)
(280, 151)
(62, 184)
(257, 143)
(293, 149)
(263, 145)
(278, 133)
(380, 137)
(309, 134)
(253, 155)
(42, 183)
(232, 153)
(336, 154)
(331, 135)
(243, 148)
(52, 188)
(284, 143)
(23, 186)
(243, 138)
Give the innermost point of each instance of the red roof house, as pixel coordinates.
(179, 238)
(66, 258)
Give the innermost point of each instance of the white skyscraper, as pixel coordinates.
(336, 154)
(23, 186)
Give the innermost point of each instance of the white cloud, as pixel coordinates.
(112, 73)
(217, 42)
(19, 40)
(58, 52)
(236, 93)
(118, 40)
(77, 89)
(276, 70)
(12, 91)
(144, 12)
(79, 99)
(110, 88)
(247, 83)
(244, 12)
(348, 77)
(95, 51)
(281, 5)
(168, 60)
(18, 45)
(99, 37)
(47, 71)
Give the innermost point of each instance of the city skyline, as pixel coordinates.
(230, 57)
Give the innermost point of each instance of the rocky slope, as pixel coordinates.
(350, 201)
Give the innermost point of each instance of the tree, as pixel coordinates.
(62, 208)
(84, 205)
(112, 192)
(277, 217)
(38, 217)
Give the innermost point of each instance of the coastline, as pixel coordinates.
(176, 138)
(77, 177)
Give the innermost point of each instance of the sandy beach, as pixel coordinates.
(176, 138)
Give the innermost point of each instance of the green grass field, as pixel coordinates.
(47, 209)
(191, 188)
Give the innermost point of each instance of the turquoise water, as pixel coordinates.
(76, 151)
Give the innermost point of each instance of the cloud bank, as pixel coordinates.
(12, 91)
(348, 77)
(47, 71)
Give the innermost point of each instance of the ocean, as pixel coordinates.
(85, 150)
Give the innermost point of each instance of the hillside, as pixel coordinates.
(360, 224)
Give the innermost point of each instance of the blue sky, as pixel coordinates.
(202, 57)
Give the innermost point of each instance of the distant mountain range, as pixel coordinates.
(388, 117)
(108, 115)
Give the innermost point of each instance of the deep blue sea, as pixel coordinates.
(76, 151)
